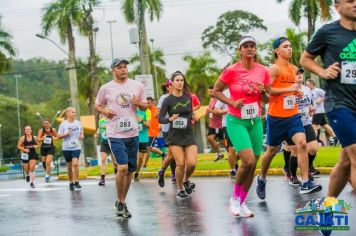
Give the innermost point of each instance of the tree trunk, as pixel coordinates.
(144, 50)
(311, 25)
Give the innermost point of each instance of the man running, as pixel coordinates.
(118, 100)
(336, 44)
(283, 120)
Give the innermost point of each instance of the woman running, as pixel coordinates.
(180, 137)
(71, 131)
(247, 82)
(47, 135)
(27, 144)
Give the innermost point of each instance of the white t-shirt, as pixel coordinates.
(223, 106)
(304, 104)
(117, 97)
(72, 141)
(316, 94)
(165, 127)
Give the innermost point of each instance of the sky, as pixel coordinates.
(177, 33)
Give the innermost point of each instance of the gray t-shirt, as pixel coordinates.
(304, 104)
(165, 127)
(337, 44)
(71, 142)
(318, 93)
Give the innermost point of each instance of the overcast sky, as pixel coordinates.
(178, 32)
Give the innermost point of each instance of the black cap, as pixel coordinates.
(118, 61)
(300, 70)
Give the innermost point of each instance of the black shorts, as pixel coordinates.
(142, 147)
(218, 132)
(45, 151)
(309, 133)
(104, 147)
(319, 119)
(181, 137)
(165, 136)
(229, 143)
(70, 154)
(31, 156)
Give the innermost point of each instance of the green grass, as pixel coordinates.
(4, 168)
(326, 157)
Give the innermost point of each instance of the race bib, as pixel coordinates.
(180, 123)
(249, 111)
(47, 140)
(348, 72)
(125, 124)
(140, 127)
(73, 142)
(288, 102)
(304, 112)
(24, 156)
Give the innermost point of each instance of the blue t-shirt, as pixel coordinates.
(142, 129)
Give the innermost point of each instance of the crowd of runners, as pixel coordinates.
(131, 126)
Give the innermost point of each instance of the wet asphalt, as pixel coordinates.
(51, 209)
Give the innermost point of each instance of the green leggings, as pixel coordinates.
(245, 134)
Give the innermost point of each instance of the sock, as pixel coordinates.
(163, 154)
(293, 166)
(243, 195)
(115, 171)
(44, 165)
(32, 177)
(237, 190)
(173, 166)
(27, 178)
(102, 177)
(311, 160)
(286, 155)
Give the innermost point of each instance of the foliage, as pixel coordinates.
(7, 49)
(229, 28)
(4, 168)
(154, 8)
(202, 71)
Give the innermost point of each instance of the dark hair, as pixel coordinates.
(211, 86)
(336, 1)
(150, 98)
(46, 119)
(164, 88)
(310, 81)
(185, 85)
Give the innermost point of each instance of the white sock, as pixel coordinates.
(32, 177)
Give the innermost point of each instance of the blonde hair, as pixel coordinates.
(66, 111)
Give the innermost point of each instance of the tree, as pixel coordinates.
(202, 71)
(154, 8)
(229, 28)
(310, 9)
(7, 49)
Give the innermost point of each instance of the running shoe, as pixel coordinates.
(294, 181)
(182, 195)
(235, 206)
(77, 186)
(127, 213)
(47, 178)
(326, 223)
(286, 173)
(161, 178)
(188, 187)
(336, 141)
(71, 187)
(331, 141)
(245, 212)
(32, 185)
(27, 178)
(136, 177)
(314, 171)
(219, 157)
(309, 187)
(120, 208)
(173, 178)
(102, 182)
(232, 174)
(261, 188)
(191, 184)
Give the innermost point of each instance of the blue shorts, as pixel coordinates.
(279, 129)
(156, 142)
(125, 151)
(70, 154)
(343, 122)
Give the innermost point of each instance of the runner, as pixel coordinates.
(104, 149)
(118, 100)
(27, 144)
(305, 109)
(144, 122)
(71, 131)
(47, 135)
(180, 136)
(167, 89)
(283, 120)
(319, 119)
(335, 43)
(215, 133)
(247, 81)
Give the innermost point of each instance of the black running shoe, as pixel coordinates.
(161, 178)
(294, 181)
(120, 208)
(102, 182)
(188, 187)
(314, 171)
(219, 157)
(261, 188)
(32, 185)
(309, 187)
(182, 195)
(136, 177)
(77, 186)
(232, 174)
(71, 187)
(126, 213)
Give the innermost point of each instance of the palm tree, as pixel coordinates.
(298, 41)
(7, 49)
(310, 9)
(202, 72)
(154, 8)
(63, 15)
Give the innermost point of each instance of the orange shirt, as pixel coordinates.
(283, 104)
(153, 131)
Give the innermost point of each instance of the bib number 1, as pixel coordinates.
(289, 102)
(249, 111)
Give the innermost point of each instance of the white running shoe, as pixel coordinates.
(235, 206)
(245, 212)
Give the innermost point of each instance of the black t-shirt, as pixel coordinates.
(337, 44)
(177, 105)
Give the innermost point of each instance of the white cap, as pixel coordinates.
(246, 39)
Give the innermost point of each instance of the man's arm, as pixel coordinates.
(308, 62)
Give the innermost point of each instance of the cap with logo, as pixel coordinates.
(118, 61)
(300, 70)
(246, 39)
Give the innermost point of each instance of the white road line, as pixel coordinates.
(5, 195)
(29, 189)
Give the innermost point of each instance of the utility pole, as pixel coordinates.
(112, 48)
